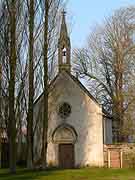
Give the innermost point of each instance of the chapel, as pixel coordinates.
(75, 127)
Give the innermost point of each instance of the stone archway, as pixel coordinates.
(65, 136)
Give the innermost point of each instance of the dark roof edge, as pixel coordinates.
(77, 82)
(49, 87)
(83, 88)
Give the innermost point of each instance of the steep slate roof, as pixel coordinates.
(76, 81)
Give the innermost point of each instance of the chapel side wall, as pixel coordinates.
(86, 119)
(107, 131)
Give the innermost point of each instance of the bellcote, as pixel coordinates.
(64, 47)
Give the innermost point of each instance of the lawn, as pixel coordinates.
(77, 174)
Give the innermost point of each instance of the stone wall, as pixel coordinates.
(85, 118)
(119, 155)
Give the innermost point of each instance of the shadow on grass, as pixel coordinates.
(70, 174)
(23, 174)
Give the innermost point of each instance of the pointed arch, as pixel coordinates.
(64, 133)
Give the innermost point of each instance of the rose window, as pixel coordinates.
(64, 110)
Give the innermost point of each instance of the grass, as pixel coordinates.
(76, 174)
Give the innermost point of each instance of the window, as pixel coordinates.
(64, 110)
(64, 54)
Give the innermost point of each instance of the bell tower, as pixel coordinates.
(64, 47)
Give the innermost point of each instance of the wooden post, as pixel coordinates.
(121, 159)
(109, 160)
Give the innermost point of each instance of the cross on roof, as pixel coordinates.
(63, 12)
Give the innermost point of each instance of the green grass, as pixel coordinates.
(77, 174)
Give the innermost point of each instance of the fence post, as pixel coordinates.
(121, 159)
(109, 163)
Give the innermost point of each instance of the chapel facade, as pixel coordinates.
(75, 127)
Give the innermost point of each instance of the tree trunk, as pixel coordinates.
(0, 97)
(31, 88)
(0, 109)
(45, 113)
(12, 64)
(118, 103)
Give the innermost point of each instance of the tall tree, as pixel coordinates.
(12, 64)
(45, 57)
(0, 107)
(30, 19)
(50, 24)
(0, 96)
(104, 63)
(31, 86)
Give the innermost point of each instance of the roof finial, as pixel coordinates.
(63, 12)
(63, 30)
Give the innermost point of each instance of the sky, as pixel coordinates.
(82, 15)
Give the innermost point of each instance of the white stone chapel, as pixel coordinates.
(75, 127)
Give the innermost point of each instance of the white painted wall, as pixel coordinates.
(86, 119)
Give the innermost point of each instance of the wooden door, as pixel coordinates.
(66, 156)
(115, 159)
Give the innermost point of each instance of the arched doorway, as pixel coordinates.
(65, 136)
(66, 156)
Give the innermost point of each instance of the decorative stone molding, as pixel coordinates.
(64, 110)
(64, 134)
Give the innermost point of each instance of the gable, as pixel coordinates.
(68, 81)
(83, 88)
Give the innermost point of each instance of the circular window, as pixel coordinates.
(64, 110)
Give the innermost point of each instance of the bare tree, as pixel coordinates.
(7, 60)
(25, 58)
(0, 107)
(104, 63)
(12, 65)
(31, 85)
(45, 114)
(51, 10)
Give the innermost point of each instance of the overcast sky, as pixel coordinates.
(84, 14)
